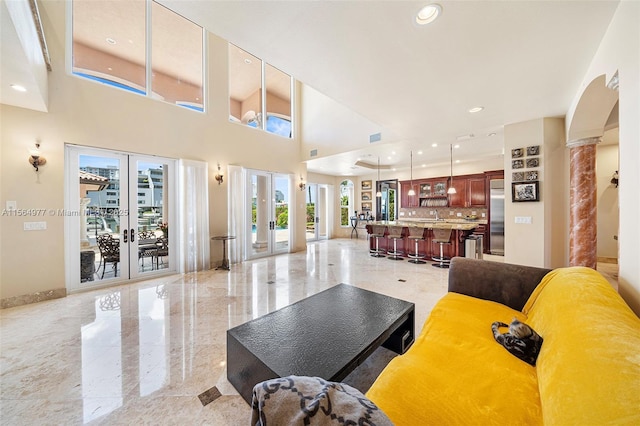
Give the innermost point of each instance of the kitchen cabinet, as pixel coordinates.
(470, 191)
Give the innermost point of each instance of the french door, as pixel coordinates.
(118, 216)
(267, 213)
(317, 212)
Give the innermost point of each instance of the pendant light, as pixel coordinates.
(451, 189)
(411, 192)
(379, 193)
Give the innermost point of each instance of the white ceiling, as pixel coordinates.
(520, 60)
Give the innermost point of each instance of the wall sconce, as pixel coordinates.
(35, 159)
(218, 175)
(302, 185)
(615, 179)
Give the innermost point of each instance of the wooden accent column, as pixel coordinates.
(583, 237)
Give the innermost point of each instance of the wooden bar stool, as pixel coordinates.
(441, 236)
(377, 233)
(395, 234)
(416, 235)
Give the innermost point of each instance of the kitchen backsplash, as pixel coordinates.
(443, 213)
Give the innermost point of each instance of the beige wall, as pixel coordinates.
(544, 241)
(87, 113)
(608, 211)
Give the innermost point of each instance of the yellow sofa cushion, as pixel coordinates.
(589, 365)
(456, 373)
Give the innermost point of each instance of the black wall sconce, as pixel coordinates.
(35, 159)
(615, 179)
(219, 177)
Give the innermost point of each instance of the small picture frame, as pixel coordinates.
(366, 196)
(533, 162)
(531, 175)
(533, 150)
(517, 176)
(517, 164)
(517, 153)
(366, 207)
(525, 191)
(366, 185)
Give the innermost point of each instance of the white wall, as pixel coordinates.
(87, 113)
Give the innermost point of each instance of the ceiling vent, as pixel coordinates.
(376, 137)
(313, 153)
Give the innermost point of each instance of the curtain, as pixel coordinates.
(237, 195)
(193, 189)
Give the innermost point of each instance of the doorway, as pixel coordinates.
(118, 216)
(267, 213)
(386, 207)
(317, 215)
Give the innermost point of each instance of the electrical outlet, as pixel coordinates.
(451, 213)
(484, 215)
(402, 213)
(459, 214)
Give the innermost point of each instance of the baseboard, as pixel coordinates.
(607, 260)
(27, 299)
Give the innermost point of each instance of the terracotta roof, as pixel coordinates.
(86, 177)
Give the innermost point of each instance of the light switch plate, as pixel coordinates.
(523, 219)
(35, 226)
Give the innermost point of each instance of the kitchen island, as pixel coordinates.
(460, 231)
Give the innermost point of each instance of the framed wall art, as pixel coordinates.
(517, 164)
(366, 185)
(366, 207)
(366, 196)
(525, 191)
(531, 175)
(533, 150)
(533, 162)
(517, 153)
(517, 176)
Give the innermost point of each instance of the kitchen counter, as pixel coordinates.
(463, 225)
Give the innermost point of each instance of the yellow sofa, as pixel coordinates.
(587, 373)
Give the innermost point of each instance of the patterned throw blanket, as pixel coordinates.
(299, 400)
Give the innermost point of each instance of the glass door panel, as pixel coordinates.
(152, 219)
(268, 213)
(281, 205)
(312, 212)
(102, 214)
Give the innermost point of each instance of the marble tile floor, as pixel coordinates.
(142, 353)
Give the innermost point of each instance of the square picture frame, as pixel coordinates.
(366, 206)
(366, 196)
(517, 164)
(533, 162)
(531, 175)
(366, 185)
(517, 176)
(533, 150)
(517, 153)
(525, 191)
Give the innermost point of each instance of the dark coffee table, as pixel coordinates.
(326, 335)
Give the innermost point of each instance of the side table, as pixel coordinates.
(225, 259)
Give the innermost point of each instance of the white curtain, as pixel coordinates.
(236, 201)
(193, 198)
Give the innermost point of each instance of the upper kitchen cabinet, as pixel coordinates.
(470, 191)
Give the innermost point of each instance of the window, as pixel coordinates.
(346, 202)
(110, 43)
(248, 98)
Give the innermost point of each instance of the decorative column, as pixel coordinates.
(583, 240)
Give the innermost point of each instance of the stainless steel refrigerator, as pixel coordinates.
(496, 217)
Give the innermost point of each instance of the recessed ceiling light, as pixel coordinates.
(428, 14)
(456, 146)
(492, 134)
(457, 161)
(110, 69)
(424, 165)
(393, 153)
(18, 88)
(247, 61)
(419, 152)
(389, 158)
(476, 109)
(110, 40)
(434, 145)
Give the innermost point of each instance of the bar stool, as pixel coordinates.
(395, 234)
(416, 235)
(441, 236)
(377, 233)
